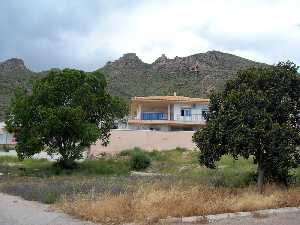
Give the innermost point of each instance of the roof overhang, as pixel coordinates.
(169, 99)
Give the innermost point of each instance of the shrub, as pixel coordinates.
(130, 152)
(139, 161)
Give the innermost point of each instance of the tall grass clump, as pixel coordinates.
(154, 201)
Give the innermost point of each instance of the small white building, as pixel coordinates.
(167, 113)
(6, 139)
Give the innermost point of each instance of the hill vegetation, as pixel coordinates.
(13, 73)
(194, 75)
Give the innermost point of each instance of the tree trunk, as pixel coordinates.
(261, 174)
(88, 153)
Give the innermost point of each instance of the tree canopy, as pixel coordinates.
(65, 113)
(257, 115)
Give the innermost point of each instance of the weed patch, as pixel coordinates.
(154, 202)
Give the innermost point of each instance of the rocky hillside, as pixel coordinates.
(194, 75)
(13, 73)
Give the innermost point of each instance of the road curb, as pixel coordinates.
(217, 217)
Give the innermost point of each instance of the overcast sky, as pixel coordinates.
(86, 34)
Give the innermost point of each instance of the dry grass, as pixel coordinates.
(153, 202)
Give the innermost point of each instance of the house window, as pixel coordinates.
(186, 112)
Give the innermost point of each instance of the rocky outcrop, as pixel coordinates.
(200, 63)
(127, 61)
(13, 65)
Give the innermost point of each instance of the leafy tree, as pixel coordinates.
(66, 112)
(256, 115)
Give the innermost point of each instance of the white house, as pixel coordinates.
(167, 113)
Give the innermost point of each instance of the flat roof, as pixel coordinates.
(170, 98)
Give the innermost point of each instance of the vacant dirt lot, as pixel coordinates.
(148, 140)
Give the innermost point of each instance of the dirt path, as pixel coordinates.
(16, 211)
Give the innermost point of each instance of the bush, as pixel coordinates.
(130, 152)
(139, 161)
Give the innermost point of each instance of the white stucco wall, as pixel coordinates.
(197, 109)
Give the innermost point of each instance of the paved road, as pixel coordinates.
(16, 211)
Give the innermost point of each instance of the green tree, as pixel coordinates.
(66, 112)
(256, 115)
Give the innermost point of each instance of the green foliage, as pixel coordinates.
(139, 161)
(256, 115)
(65, 113)
(130, 152)
(110, 166)
(45, 168)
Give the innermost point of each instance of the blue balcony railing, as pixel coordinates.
(153, 116)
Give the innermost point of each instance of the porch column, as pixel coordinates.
(169, 112)
(139, 112)
(131, 112)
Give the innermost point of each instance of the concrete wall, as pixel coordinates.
(148, 140)
(148, 127)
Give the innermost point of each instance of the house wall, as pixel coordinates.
(197, 109)
(148, 140)
(153, 108)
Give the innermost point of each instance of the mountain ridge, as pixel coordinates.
(194, 75)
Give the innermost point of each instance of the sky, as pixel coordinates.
(85, 34)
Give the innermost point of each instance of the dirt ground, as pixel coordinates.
(148, 140)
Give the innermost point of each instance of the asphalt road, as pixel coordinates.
(16, 211)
